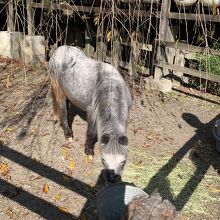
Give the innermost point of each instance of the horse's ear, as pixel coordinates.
(123, 140)
(105, 138)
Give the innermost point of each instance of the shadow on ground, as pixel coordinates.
(32, 105)
(201, 150)
(38, 205)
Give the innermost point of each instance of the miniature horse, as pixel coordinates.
(98, 89)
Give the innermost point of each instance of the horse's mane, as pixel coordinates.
(107, 112)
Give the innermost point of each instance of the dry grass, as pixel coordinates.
(159, 173)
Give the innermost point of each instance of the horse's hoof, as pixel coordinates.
(89, 151)
(69, 139)
(89, 158)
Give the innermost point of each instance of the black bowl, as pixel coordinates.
(112, 201)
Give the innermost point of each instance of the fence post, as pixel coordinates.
(179, 61)
(116, 49)
(89, 49)
(30, 20)
(164, 34)
(10, 16)
(134, 55)
(101, 47)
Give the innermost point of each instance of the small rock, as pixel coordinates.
(4, 217)
(162, 85)
(150, 208)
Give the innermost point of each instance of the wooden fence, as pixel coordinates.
(164, 43)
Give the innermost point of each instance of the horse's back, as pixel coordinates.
(75, 74)
(63, 58)
(79, 76)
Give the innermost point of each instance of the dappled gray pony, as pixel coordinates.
(98, 89)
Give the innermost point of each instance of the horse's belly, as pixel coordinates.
(80, 93)
(80, 102)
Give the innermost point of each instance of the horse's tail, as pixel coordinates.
(54, 92)
(58, 97)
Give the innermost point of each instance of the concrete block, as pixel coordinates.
(151, 84)
(4, 217)
(10, 44)
(211, 2)
(185, 2)
(165, 85)
(33, 49)
(162, 85)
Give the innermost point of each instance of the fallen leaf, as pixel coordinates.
(83, 217)
(147, 145)
(9, 129)
(66, 145)
(109, 34)
(72, 164)
(66, 154)
(45, 188)
(138, 162)
(57, 197)
(89, 173)
(3, 141)
(8, 177)
(8, 82)
(4, 169)
(84, 17)
(10, 212)
(37, 178)
(63, 209)
(66, 178)
(96, 19)
(150, 137)
(33, 131)
(88, 158)
(69, 173)
(36, 160)
(214, 189)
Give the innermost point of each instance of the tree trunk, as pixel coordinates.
(10, 16)
(30, 19)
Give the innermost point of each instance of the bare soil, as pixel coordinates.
(172, 151)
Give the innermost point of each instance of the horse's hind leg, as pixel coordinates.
(60, 108)
(70, 113)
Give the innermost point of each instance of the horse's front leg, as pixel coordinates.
(64, 120)
(91, 139)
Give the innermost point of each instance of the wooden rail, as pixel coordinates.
(194, 17)
(141, 46)
(141, 13)
(90, 9)
(190, 48)
(66, 6)
(191, 72)
(140, 69)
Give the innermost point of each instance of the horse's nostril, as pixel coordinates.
(112, 178)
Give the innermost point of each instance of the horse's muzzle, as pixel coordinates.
(111, 178)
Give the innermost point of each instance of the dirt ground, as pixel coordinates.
(172, 151)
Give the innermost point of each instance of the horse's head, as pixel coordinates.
(114, 150)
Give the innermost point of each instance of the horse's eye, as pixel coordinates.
(123, 140)
(123, 162)
(105, 139)
(104, 162)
